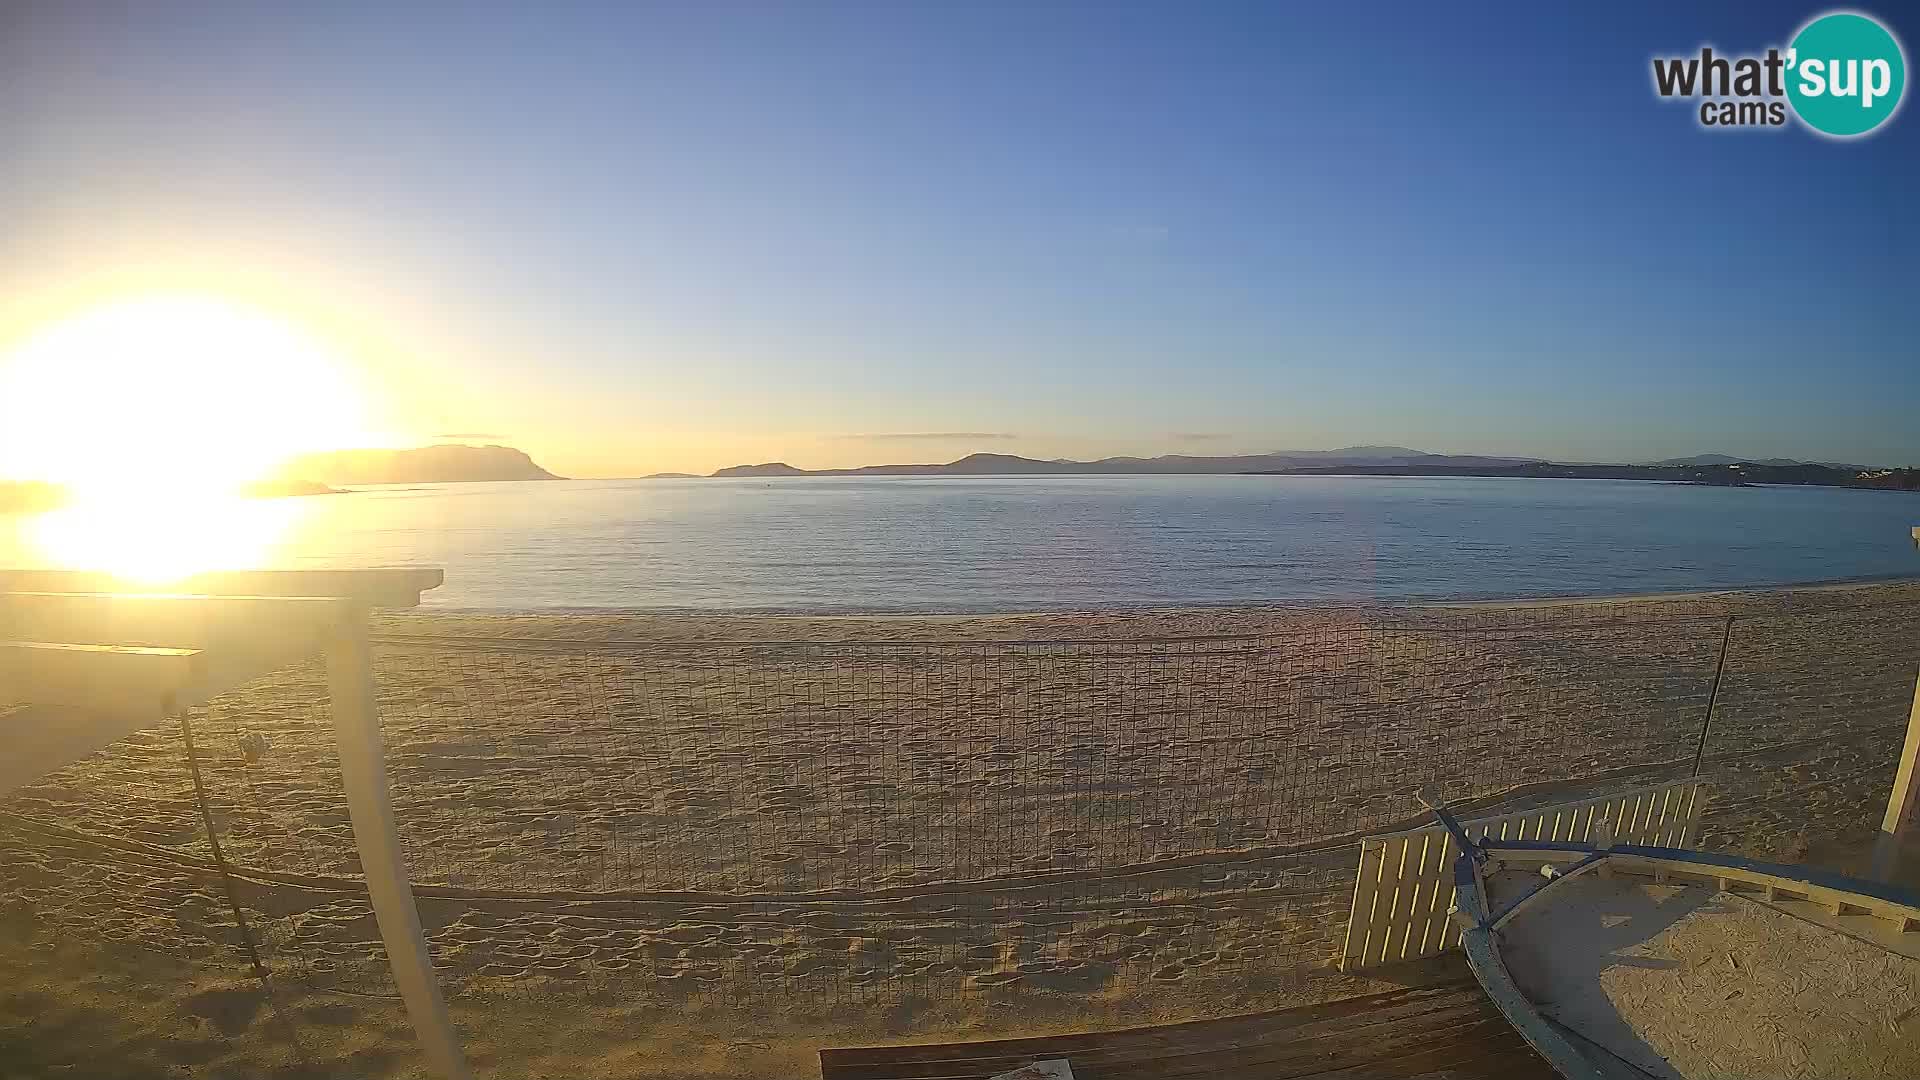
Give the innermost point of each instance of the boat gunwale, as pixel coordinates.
(1481, 923)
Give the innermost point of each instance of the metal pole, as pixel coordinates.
(1903, 805)
(1713, 697)
(363, 767)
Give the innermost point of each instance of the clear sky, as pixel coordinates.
(632, 238)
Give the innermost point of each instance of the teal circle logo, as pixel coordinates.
(1846, 74)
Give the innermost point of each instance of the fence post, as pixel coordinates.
(1903, 804)
(363, 769)
(1713, 697)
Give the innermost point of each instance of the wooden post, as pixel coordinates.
(1903, 805)
(363, 767)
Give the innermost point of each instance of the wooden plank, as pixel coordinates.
(80, 698)
(175, 621)
(1636, 819)
(1392, 902)
(1360, 918)
(1400, 943)
(1483, 955)
(1730, 871)
(97, 678)
(1376, 1032)
(1501, 1053)
(1672, 812)
(241, 637)
(396, 587)
(42, 738)
(1902, 820)
(1383, 1030)
(1427, 936)
(1565, 821)
(1683, 829)
(1657, 818)
(1372, 1044)
(1457, 985)
(363, 773)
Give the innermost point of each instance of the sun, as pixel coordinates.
(169, 395)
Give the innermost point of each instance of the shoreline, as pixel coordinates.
(1227, 608)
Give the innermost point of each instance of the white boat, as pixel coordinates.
(1631, 961)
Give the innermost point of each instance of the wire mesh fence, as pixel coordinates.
(870, 822)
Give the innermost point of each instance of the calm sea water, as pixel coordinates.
(1002, 544)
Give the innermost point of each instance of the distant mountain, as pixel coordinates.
(1010, 465)
(1780, 462)
(281, 487)
(447, 463)
(771, 468)
(670, 476)
(1737, 474)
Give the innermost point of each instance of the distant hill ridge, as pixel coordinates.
(442, 464)
(1712, 469)
(1011, 465)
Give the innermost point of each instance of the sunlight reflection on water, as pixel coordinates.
(1007, 543)
(160, 540)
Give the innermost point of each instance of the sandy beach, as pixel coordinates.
(706, 846)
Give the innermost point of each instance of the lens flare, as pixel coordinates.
(154, 413)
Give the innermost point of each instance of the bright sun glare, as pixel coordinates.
(183, 392)
(153, 413)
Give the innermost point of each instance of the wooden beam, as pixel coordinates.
(102, 666)
(246, 623)
(398, 587)
(80, 698)
(363, 771)
(97, 678)
(42, 738)
(1898, 825)
(1482, 947)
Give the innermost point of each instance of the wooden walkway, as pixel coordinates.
(1444, 1031)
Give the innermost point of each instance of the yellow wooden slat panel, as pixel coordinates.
(1672, 813)
(1391, 903)
(1696, 798)
(1406, 905)
(1360, 917)
(1424, 937)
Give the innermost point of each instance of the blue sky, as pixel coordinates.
(633, 238)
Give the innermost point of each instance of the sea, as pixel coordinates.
(990, 544)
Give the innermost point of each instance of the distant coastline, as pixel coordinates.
(446, 463)
(1738, 475)
(317, 474)
(1706, 469)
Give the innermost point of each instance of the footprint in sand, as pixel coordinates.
(992, 979)
(894, 847)
(1170, 973)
